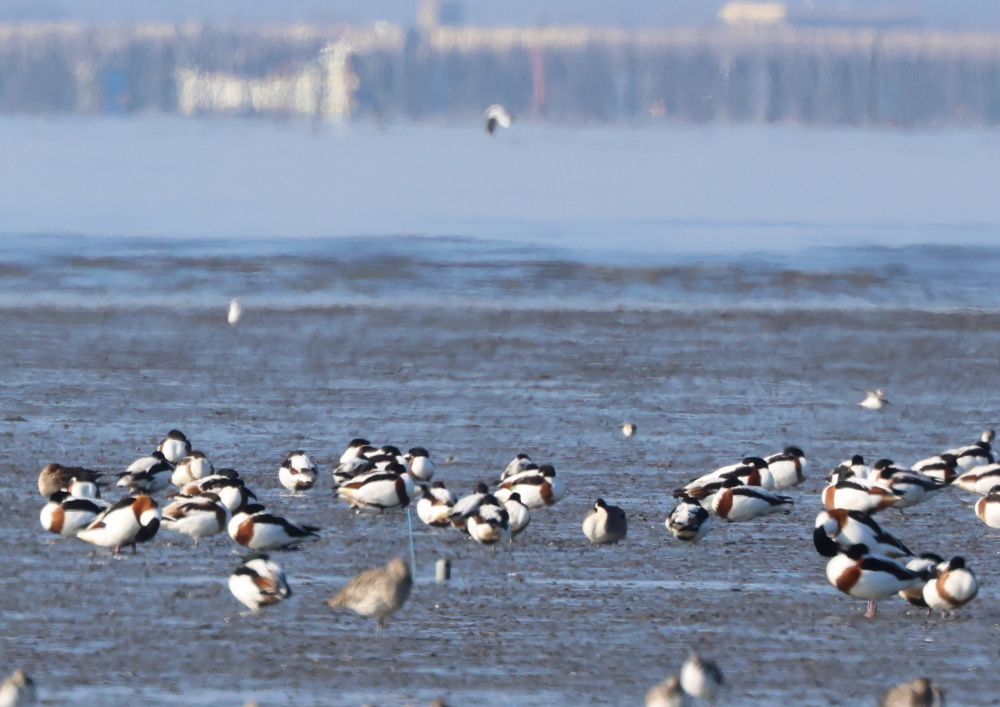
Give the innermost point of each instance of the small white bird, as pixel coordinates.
(297, 472)
(787, 467)
(689, 521)
(516, 465)
(435, 504)
(490, 524)
(197, 517)
(421, 466)
(147, 475)
(953, 587)
(629, 429)
(379, 490)
(874, 399)
(235, 312)
(17, 690)
(539, 488)
(259, 582)
(354, 449)
(232, 492)
(191, 468)
(700, 678)
(174, 447)
(497, 116)
(518, 514)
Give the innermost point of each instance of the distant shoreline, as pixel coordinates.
(783, 74)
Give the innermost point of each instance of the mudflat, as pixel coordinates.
(547, 620)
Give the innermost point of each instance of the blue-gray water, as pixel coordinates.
(465, 272)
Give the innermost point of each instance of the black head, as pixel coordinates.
(395, 468)
(531, 467)
(419, 452)
(482, 488)
(949, 459)
(547, 470)
(731, 482)
(176, 434)
(158, 456)
(252, 508)
(794, 451)
(957, 563)
(823, 543)
(437, 485)
(295, 453)
(359, 442)
(59, 496)
(994, 493)
(389, 449)
(756, 462)
(599, 503)
(856, 552)
(515, 497)
(365, 449)
(882, 464)
(522, 456)
(857, 460)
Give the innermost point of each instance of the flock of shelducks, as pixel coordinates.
(866, 561)
(205, 501)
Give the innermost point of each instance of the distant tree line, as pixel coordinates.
(805, 76)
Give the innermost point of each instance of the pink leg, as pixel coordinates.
(871, 610)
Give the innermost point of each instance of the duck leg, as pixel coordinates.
(871, 610)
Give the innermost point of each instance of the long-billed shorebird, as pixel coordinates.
(377, 593)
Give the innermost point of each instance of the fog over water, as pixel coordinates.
(652, 190)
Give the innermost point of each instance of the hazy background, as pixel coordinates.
(232, 123)
(964, 14)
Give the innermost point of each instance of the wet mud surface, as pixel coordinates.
(547, 620)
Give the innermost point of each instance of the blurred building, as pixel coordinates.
(761, 63)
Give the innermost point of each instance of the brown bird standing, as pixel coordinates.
(378, 593)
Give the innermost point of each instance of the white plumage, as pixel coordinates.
(297, 472)
(435, 504)
(259, 582)
(191, 468)
(689, 521)
(953, 587)
(235, 312)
